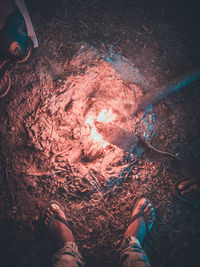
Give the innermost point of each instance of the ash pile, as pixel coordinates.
(83, 126)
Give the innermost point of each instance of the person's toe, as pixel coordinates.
(149, 212)
(181, 186)
(142, 204)
(46, 220)
(187, 184)
(152, 216)
(57, 209)
(148, 208)
(48, 215)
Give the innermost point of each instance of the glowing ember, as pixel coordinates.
(104, 116)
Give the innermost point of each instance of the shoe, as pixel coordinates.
(15, 44)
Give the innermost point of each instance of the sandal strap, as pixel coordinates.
(138, 215)
(57, 217)
(177, 191)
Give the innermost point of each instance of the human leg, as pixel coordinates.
(142, 220)
(67, 254)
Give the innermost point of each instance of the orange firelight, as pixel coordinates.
(104, 116)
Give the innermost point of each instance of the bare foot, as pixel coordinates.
(58, 230)
(138, 227)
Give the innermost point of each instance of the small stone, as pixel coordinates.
(137, 177)
(85, 246)
(30, 182)
(36, 218)
(34, 184)
(116, 243)
(161, 137)
(62, 190)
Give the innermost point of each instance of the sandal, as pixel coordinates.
(55, 216)
(191, 187)
(5, 83)
(142, 214)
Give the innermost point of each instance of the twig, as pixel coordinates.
(61, 45)
(152, 135)
(38, 105)
(16, 111)
(82, 22)
(45, 174)
(96, 181)
(133, 162)
(158, 150)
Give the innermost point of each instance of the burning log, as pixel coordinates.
(163, 91)
(63, 128)
(91, 151)
(117, 136)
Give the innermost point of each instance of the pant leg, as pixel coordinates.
(132, 254)
(68, 256)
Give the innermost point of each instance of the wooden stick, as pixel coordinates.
(157, 150)
(158, 93)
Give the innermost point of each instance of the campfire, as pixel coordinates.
(86, 123)
(104, 116)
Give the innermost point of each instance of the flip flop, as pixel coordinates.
(5, 84)
(55, 215)
(177, 191)
(142, 214)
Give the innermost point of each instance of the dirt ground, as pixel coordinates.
(161, 39)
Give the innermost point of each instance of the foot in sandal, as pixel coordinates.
(142, 220)
(188, 190)
(56, 221)
(5, 83)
